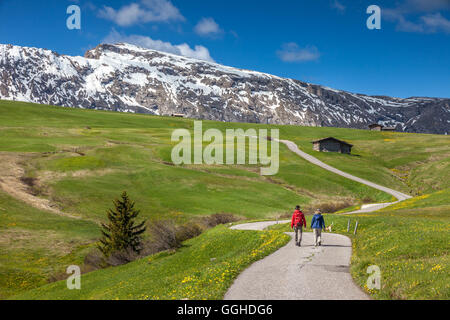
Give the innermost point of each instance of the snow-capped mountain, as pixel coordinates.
(128, 78)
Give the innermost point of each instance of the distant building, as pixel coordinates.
(332, 145)
(376, 127)
(379, 127)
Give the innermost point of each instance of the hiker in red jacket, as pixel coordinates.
(298, 222)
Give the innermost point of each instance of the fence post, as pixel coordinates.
(348, 226)
(356, 227)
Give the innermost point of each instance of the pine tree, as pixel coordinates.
(121, 233)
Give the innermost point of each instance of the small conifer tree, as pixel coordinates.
(121, 233)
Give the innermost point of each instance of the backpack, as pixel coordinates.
(299, 224)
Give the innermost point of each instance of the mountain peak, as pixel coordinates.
(127, 78)
(118, 48)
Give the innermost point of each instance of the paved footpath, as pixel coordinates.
(299, 273)
(397, 194)
(306, 273)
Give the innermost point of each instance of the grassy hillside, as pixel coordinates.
(82, 158)
(68, 165)
(35, 244)
(410, 242)
(203, 269)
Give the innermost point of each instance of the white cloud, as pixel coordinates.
(338, 6)
(291, 52)
(207, 26)
(436, 22)
(408, 26)
(198, 52)
(143, 12)
(428, 19)
(421, 6)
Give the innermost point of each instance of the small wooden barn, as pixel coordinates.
(332, 145)
(379, 127)
(376, 127)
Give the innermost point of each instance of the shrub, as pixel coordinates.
(118, 258)
(219, 218)
(330, 206)
(94, 260)
(188, 231)
(163, 236)
(368, 200)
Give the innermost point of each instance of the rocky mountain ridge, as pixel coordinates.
(127, 78)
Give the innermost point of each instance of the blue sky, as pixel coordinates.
(320, 41)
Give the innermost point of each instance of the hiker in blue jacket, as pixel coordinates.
(317, 224)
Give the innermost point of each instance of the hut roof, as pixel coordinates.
(331, 138)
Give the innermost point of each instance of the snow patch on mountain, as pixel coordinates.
(127, 78)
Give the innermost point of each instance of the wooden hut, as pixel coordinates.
(332, 145)
(376, 127)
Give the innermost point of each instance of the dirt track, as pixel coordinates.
(11, 173)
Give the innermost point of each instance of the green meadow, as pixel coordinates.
(35, 244)
(80, 160)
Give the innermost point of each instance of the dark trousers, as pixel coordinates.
(298, 234)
